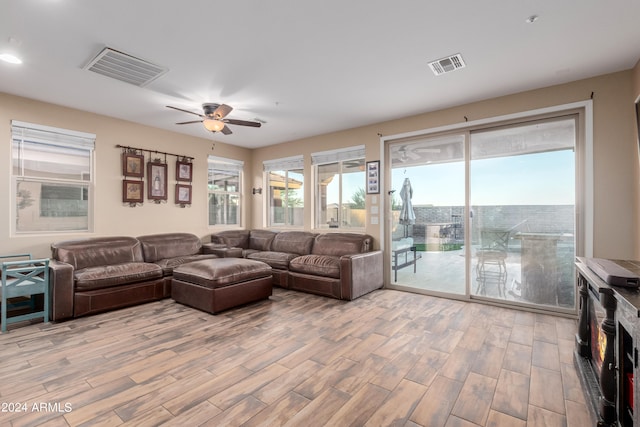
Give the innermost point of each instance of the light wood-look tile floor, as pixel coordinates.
(387, 359)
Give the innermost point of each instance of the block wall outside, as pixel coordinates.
(531, 218)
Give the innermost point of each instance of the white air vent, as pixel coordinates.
(126, 68)
(446, 65)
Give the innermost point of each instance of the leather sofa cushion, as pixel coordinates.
(156, 247)
(317, 265)
(338, 244)
(293, 242)
(98, 251)
(169, 264)
(232, 238)
(279, 260)
(247, 252)
(260, 240)
(107, 276)
(221, 272)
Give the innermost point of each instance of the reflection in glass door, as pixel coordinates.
(428, 205)
(522, 197)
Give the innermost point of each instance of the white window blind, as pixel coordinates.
(333, 156)
(24, 131)
(285, 163)
(226, 164)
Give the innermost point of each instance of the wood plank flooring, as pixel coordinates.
(387, 359)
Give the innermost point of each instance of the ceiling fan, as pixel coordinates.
(214, 118)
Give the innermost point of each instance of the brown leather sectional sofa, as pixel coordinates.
(98, 274)
(338, 265)
(104, 273)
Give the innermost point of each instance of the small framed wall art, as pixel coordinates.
(184, 171)
(133, 165)
(132, 191)
(183, 194)
(157, 181)
(373, 177)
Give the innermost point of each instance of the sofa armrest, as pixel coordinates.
(360, 274)
(61, 290)
(221, 250)
(208, 248)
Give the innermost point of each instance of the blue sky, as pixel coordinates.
(537, 179)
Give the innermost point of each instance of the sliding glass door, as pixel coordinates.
(428, 211)
(488, 213)
(522, 197)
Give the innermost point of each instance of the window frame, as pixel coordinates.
(59, 139)
(339, 157)
(284, 165)
(232, 166)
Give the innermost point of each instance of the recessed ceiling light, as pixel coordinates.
(11, 59)
(532, 19)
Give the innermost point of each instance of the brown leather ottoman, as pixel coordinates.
(213, 285)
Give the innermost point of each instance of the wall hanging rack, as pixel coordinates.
(157, 178)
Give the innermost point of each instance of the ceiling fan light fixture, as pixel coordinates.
(213, 125)
(11, 59)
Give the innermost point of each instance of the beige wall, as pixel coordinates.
(635, 76)
(615, 151)
(112, 217)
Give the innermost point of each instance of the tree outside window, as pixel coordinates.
(340, 194)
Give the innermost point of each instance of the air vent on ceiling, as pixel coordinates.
(124, 67)
(446, 65)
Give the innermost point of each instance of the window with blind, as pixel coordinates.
(52, 179)
(340, 188)
(285, 186)
(224, 188)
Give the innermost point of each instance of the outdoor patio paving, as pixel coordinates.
(443, 271)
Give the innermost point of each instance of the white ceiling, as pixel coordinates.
(307, 68)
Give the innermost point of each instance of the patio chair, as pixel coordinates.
(23, 278)
(492, 255)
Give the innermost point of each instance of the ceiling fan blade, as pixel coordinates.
(225, 130)
(184, 111)
(242, 123)
(189, 122)
(222, 111)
